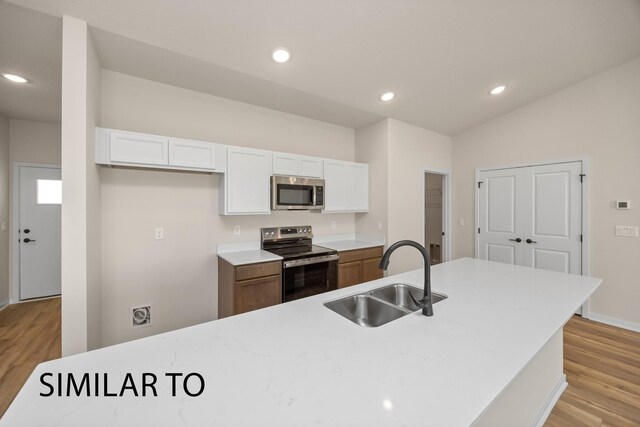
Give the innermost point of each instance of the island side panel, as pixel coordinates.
(529, 398)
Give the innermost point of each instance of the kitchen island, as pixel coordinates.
(490, 355)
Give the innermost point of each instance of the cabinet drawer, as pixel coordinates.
(370, 270)
(360, 254)
(245, 272)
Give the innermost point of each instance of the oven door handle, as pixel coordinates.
(307, 261)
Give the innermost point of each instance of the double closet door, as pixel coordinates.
(532, 216)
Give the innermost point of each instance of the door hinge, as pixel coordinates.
(479, 183)
(581, 237)
(443, 233)
(582, 175)
(478, 230)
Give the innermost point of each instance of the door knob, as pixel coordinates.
(27, 240)
(530, 241)
(517, 240)
(26, 231)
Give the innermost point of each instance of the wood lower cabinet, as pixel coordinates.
(359, 266)
(248, 287)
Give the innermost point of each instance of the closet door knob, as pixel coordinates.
(516, 240)
(530, 241)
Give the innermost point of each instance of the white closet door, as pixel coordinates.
(532, 216)
(552, 217)
(500, 195)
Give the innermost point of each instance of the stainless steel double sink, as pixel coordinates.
(379, 306)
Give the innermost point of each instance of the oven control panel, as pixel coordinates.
(277, 233)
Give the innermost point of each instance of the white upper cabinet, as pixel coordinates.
(346, 186)
(115, 147)
(358, 187)
(192, 154)
(246, 188)
(311, 166)
(285, 164)
(131, 147)
(292, 164)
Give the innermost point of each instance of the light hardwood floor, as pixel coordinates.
(29, 335)
(602, 364)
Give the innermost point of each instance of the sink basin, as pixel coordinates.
(379, 306)
(365, 310)
(398, 294)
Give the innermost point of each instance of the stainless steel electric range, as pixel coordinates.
(307, 269)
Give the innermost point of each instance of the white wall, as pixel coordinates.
(412, 150)
(372, 147)
(178, 275)
(597, 118)
(398, 154)
(81, 222)
(4, 210)
(34, 142)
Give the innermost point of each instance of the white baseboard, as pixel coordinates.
(551, 402)
(3, 304)
(614, 322)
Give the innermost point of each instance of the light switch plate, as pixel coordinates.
(626, 231)
(159, 235)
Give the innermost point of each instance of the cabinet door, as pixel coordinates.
(370, 270)
(335, 182)
(349, 274)
(257, 293)
(285, 164)
(247, 181)
(131, 147)
(358, 187)
(311, 166)
(192, 154)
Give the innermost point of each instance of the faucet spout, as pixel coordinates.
(426, 302)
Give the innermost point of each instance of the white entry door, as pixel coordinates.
(532, 216)
(39, 231)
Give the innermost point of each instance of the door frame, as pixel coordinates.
(586, 234)
(14, 222)
(446, 208)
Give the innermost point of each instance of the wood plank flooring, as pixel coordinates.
(29, 335)
(602, 364)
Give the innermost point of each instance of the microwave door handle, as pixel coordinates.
(315, 191)
(307, 261)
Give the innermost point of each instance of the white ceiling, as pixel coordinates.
(440, 56)
(30, 46)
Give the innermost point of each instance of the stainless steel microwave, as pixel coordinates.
(296, 193)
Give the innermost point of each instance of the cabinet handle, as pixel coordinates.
(516, 240)
(530, 241)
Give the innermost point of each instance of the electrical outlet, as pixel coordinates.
(379, 225)
(236, 230)
(141, 316)
(3, 225)
(333, 225)
(461, 222)
(159, 233)
(626, 231)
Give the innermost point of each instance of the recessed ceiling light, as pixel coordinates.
(281, 55)
(387, 96)
(498, 90)
(14, 78)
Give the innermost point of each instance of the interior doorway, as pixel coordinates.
(435, 216)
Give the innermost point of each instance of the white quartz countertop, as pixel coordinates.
(249, 257)
(349, 245)
(301, 364)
